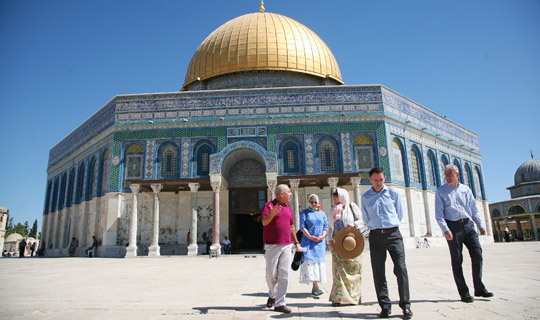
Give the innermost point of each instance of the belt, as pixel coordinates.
(462, 220)
(388, 230)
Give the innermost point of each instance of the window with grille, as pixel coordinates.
(168, 162)
(397, 161)
(203, 160)
(327, 152)
(477, 185)
(430, 171)
(415, 164)
(291, 158)
(444, 163)
(466, 176)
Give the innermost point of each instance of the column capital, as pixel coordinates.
(294, 183)
(271, 184)
(194, 186)
(156, 187)
(355, 181)
(332, 182)
(216, 185)
(135, 187)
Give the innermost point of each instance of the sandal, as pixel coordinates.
(316, 292)
(335, 304)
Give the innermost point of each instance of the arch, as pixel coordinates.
(516, 209)
(398, 172)
(80, 183)
(102, 172)
(167, 161)
(202, 151)
(458, 164)
(90, 180)
(479, 183)
(71, 187)
(416, 175)
(432, 177)
(62, 197)
(133, 160)
(291, 155)
(495, 213)
(221, 162)
(538, 208)
(328, 155)
(364, 153)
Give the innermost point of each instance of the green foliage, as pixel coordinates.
(34, 230)
(20, 228)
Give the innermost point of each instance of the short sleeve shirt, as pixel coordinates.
(278, 231)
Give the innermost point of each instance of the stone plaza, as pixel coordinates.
(234, 287)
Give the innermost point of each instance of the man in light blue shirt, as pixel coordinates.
(455, 211)
(382, 211)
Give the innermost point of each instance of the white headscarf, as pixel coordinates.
(343, 210)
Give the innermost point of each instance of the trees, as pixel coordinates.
(21, 228)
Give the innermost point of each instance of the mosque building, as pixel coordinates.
(263, 103)
(517, 218)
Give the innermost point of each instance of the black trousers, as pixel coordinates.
(465, 234)
(392, 242)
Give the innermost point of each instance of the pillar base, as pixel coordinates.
(193, 250)
(153, 251)
(216, 247)
(131, 252)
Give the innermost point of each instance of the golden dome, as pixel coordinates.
(262, 41)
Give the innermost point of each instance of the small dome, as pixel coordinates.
(262, 42)
(14, 237)
(528, 172)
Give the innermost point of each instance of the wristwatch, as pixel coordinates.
(296, 242)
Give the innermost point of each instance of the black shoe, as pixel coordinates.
(486, 294)
(270, 302)
(407, 313)
(384, 313)
(467, 298)
(336, 304)
(283, 309)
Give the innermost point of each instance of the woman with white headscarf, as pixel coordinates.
(347, 273)
(314, 226)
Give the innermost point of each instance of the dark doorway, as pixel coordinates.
(245, 206)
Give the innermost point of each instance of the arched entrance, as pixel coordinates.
(247, 196)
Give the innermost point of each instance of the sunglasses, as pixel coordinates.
(315, 202)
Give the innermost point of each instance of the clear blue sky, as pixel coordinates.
(475, 62)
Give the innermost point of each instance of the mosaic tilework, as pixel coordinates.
(308, 146)
(346, 152)
(216, 159)
(149, 168)
(426, 118)
(185, 157)
(98, 123)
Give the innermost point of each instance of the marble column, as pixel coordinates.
(153, 250)
(271, 182)
(216, 246)
(271, 189)
(487, 218)
(332, 182)
(131, 250)
(408, 198)
(519, 231)
(355, 181)
(296, 210)
(193, 248)
(533, 227)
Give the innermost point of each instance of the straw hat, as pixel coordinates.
(350, 244)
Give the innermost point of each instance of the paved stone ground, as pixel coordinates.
(233, 287)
